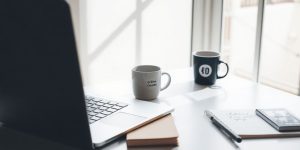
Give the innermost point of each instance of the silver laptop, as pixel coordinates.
(110, 119)
(41, 91)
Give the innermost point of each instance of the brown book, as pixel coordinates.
(157, 133)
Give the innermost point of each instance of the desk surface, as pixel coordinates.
(190, 101)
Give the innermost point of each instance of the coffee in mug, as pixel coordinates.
(146, 81)
(206, 67)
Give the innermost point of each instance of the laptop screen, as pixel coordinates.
(41, 91)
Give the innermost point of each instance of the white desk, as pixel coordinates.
(190, 101)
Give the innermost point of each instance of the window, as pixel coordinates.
(280, 59)
(238, 41)
(278, 47)
(260, 38)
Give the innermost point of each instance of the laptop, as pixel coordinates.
(41, 91)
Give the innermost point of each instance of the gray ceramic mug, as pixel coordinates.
(146, 81)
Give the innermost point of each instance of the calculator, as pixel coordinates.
(280, 119)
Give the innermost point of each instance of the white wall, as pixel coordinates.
(116, 35)
(125, 33)
(78, 9)
(74, 4)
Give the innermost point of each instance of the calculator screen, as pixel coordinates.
(281, 117)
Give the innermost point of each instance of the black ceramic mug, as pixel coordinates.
(206, 67)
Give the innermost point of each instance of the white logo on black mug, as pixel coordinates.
(205, 70)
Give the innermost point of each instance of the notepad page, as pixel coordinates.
(247, 124)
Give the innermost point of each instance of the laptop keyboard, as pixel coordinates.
(99, 108)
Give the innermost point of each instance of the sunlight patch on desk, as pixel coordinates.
(195, 96)
(206, 94)
(177, 100)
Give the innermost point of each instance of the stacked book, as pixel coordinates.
(161, 132)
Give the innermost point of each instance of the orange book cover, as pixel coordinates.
(160, 132)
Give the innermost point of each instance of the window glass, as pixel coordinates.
(238, 38)
(280, 59)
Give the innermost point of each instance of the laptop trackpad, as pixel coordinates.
(123, 120)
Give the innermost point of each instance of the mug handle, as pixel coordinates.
(168, 83)
(227, 69)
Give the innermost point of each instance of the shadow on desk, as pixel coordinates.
(122, 143)
(13, 140)
(152, 148)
